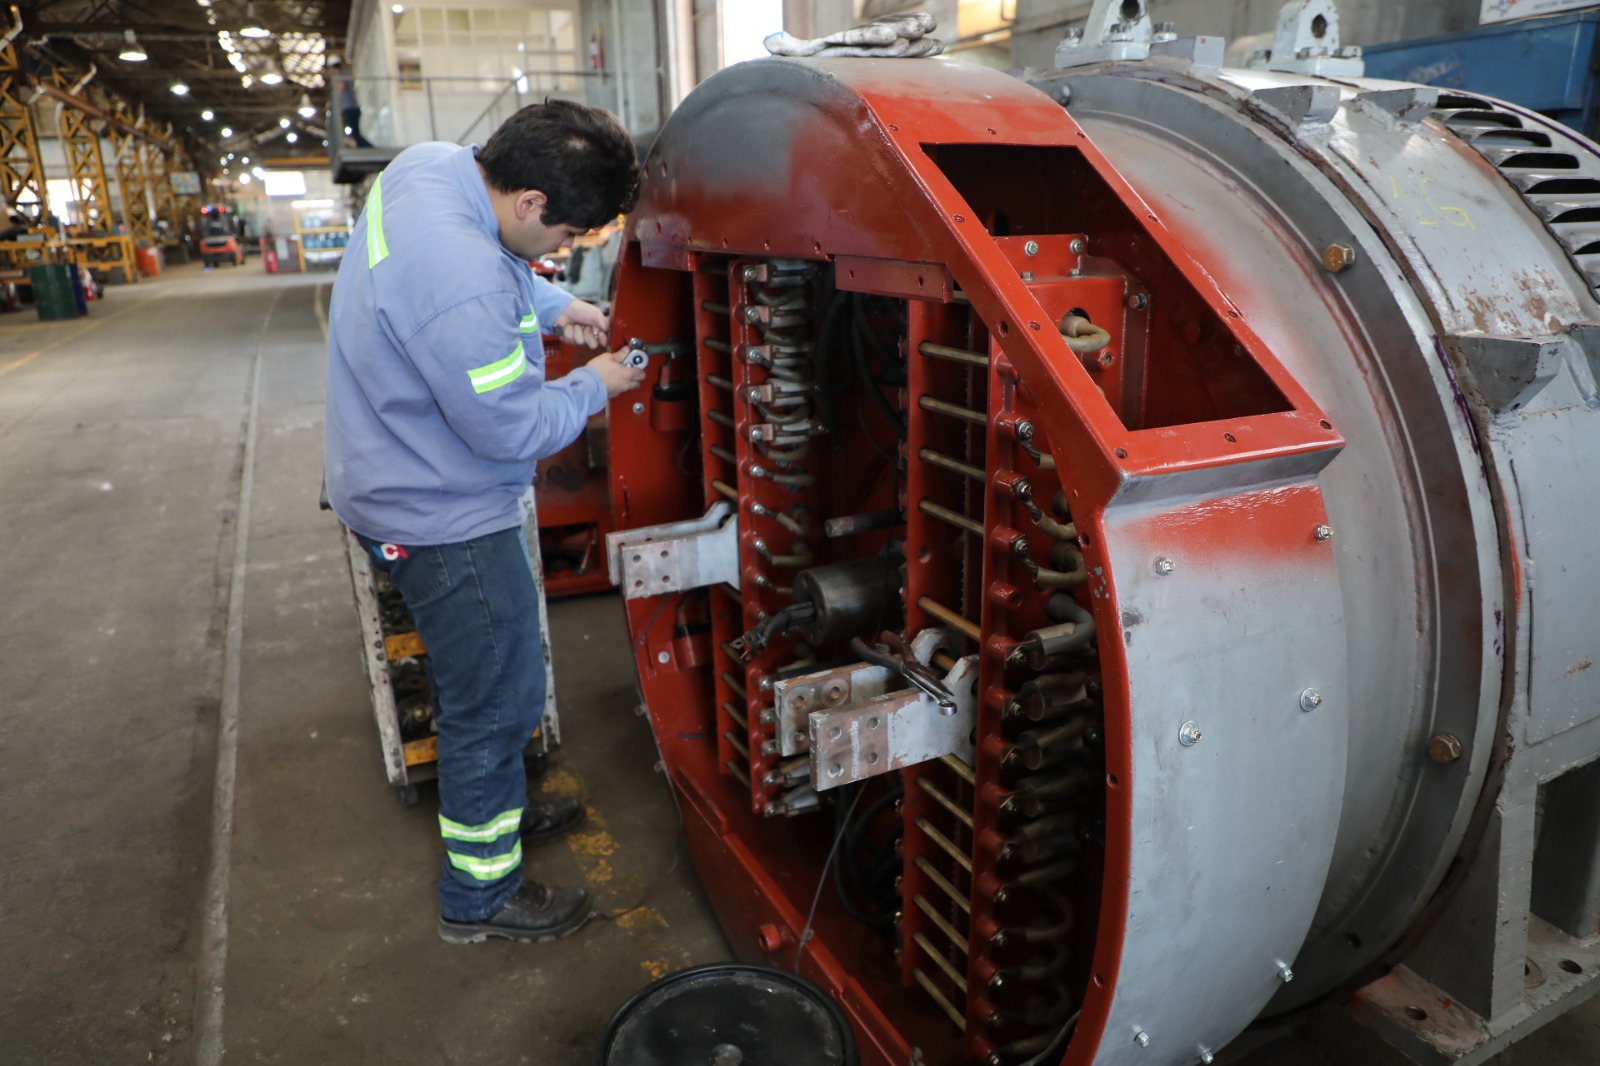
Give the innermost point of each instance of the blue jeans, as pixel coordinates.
(477, 609)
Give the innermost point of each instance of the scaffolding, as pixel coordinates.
(21, 169)
(86, 168)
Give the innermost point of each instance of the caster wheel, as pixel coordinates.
(409, 795)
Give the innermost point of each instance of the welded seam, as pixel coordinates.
(209, 995)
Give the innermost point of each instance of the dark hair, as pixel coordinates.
(580, 157)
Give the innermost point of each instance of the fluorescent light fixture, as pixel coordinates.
(227, 131)
(271, 77)
(207, 115)
(306, 109)
(132, 50)
(258, 172)
(283, 123)
(179, 89)
(311, 203)
(252, 27)
(398, 9)
(292, 136)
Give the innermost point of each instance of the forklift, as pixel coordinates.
(219, 236)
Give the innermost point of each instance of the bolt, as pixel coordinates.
(1206, 1057)
(1031, 248)
(1106, 360)
(752, 314)
(1022, 489)
(664, 657)
(638, 408)
(1310, 699)
(1065, 95)
(753, 394)
(1019, 546)
(1445, 748)
(1077, 246)
(1338, 256)
(752, 273)
(1284, 973)
(1027, 275)
(1141, 1038)
(1025, 430)
(1165, 566)
(1138, 301)
(1323, 532)
(1189, 734)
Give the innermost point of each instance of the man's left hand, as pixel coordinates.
(584, 325)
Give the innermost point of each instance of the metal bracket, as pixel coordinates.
(1307, 42)
(676, 556)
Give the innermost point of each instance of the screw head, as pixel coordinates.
(1310, 699)
(1077, 246)
(1141, 1038)
(663, 657)
(1445, 748)
(1165, 566)
(1189, 734)
(1031, 248)
(1284, 973)
(638, 408)
(1206, 1057)
(752, 314)
(1138, 301)
(1323, 532)
(1338, 256)
(752, 273)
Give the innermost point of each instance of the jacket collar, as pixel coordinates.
(477, 192)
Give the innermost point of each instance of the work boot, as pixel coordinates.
(535, 914)
(547, 820)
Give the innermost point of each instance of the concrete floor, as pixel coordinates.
(122, 440)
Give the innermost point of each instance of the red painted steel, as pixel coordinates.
(899, 174)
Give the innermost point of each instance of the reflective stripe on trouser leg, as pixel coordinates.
(477, 611)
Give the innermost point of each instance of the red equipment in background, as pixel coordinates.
(574, 499)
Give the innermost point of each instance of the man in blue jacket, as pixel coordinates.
(438, 409)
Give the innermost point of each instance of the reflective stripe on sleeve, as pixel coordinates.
(490, 869)
(503, 372)
(377, 247)
(530, 323)
(493, 829)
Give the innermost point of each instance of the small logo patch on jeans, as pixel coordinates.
(391, 552)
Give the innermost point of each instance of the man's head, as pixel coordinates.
(557, 170)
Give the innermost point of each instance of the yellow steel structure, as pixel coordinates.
(20, 166)
(166, 201)
(86, 168)
(128, 150)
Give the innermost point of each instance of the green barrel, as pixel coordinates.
(52, 292)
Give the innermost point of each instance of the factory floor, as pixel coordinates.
(179, 658)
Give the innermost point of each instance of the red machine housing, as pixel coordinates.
(574, 499)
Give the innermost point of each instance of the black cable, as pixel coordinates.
(811, 915)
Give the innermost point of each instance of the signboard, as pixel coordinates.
(1506, 10)
(185, 183)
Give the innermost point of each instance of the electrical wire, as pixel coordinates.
(1052, 1048)
(811, 915)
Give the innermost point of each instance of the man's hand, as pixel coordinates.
(617, 377)
(584, 325)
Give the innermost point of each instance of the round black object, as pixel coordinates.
(729, 1014)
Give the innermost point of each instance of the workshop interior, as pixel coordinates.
(1099, 570)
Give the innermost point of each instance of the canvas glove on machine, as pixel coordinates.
(888, 37)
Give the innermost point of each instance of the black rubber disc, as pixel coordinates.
(729, 1014)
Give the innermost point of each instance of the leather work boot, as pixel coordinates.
(547, 820)
(535, 914)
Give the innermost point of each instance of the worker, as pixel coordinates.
(345, 101)
(437, 411)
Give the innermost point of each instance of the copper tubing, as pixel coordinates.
(738, 771)
(928, 455)
(939, 923)
(933, 953)
(734, 713)
(738, 689)
(954, 518)
(961, 769)
(944, 661)
(738, 745)
(945, 843)
(726, 489)
(962, 815)
(955, 355)
(939, 879)
(938, 997)
(950, 618)
(928, 403)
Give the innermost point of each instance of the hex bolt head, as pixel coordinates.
(752, 314)
(1189, 734)
(1138, 301)
(1206, 1058)
(638, 408)
(1284, 973)
(1338, 256)
(1025, 430)
(1141, 1038)
(1445, 748)
(1165, 566)
(1077, 246)
(753, 393)
(1310, 699)
(752, 273)
(1031, 248)
(664, 657)
(1323, 532)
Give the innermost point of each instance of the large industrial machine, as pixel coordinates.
(1109, 555)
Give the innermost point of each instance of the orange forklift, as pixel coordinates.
(219, 236)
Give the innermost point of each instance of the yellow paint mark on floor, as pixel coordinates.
(656, 968)
(645, 918)
(592, 840)
(561, 782)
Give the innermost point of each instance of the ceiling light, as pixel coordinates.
(271, 77)
(244, 179)
(227, 131)
(283, 123)
(179, 89)
(132, 50)
(207, 115)
(398, 9)
(251, 27)
(306, 109)
(245, 160)
(203, 3)
(222, 162)
(292, 136)
(324, 142)
(258, 172)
